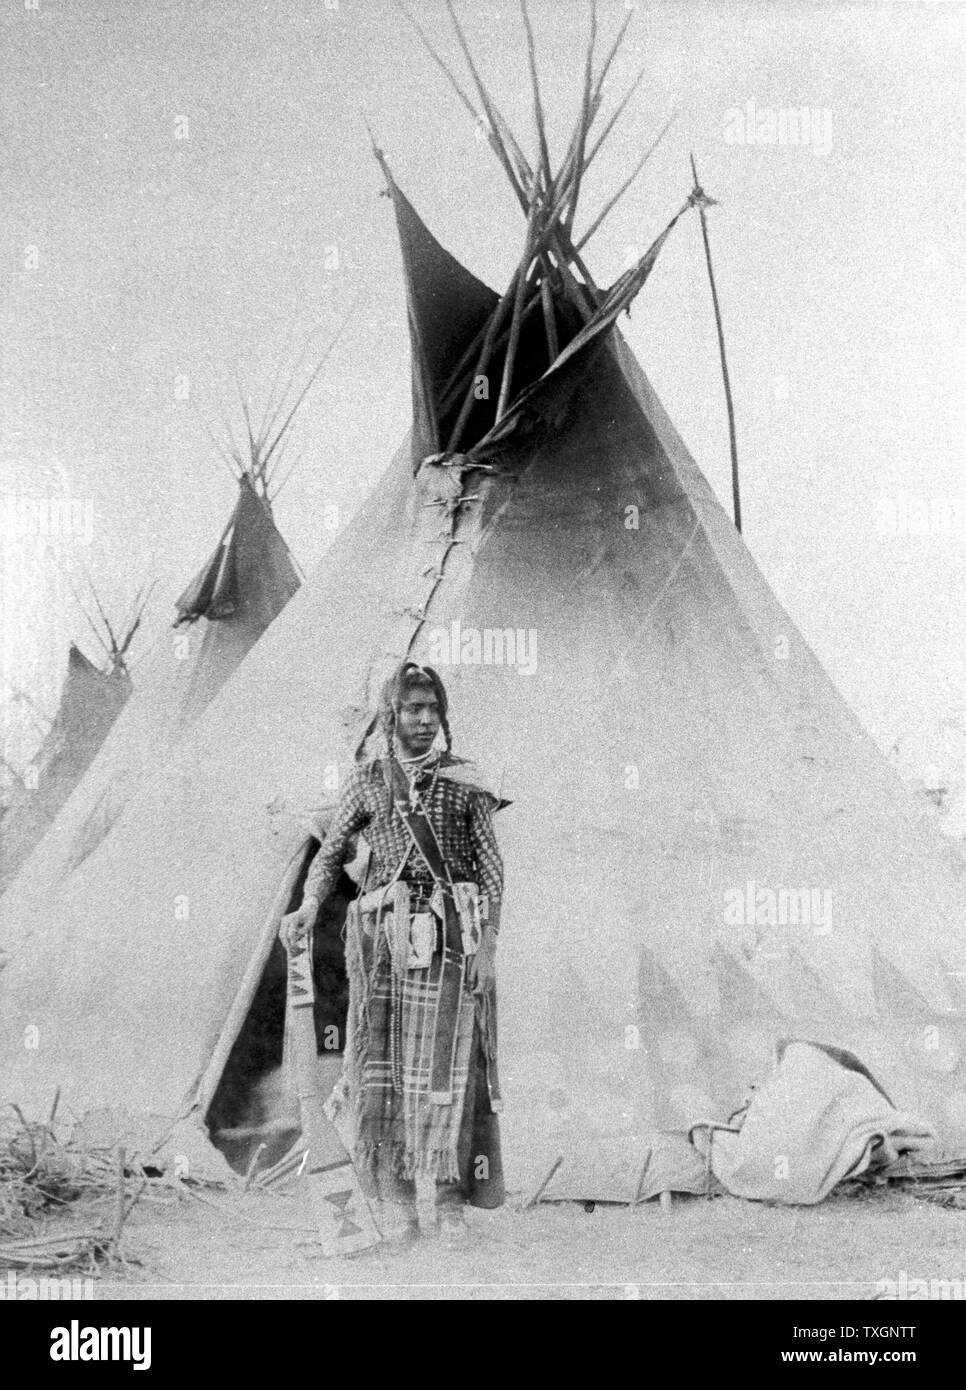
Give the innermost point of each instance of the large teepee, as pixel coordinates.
(237, 593)
(704, 850)
(91, 700)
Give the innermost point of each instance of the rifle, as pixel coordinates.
(345, 1223)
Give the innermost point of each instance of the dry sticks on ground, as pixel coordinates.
(63, 1202)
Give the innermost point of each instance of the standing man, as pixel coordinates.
(420, 1051)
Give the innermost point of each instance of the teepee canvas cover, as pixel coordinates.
(704, 850)
(91, 700)
(235, 596)
(248, 579)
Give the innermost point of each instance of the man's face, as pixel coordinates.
(418, 720)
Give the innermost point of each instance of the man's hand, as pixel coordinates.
(481, 968)
(295, 925)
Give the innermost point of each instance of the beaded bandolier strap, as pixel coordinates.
(452, 963)
(460, 812)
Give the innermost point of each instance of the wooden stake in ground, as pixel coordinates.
(702, 202)
(119, 1196)
(341, 1212)
(543, 1185)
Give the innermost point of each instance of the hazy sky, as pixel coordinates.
(187, 191)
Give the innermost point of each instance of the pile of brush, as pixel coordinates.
(62, 1204)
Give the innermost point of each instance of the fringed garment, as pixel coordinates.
(402, 1124)
(395, 1021)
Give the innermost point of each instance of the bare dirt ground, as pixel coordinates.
(259, 1245)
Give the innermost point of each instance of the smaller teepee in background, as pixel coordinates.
(251, 574)
(91, 700)
(238, 592)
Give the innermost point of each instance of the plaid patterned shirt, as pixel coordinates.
(460, 814)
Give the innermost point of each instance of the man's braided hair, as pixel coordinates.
(407, 675)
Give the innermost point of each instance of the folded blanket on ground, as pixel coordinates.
(818, 1118)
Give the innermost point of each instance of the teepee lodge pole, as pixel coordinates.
(549, 201)
(521, 286)
(614, 49)
(549, 322)
(556, 237)
(701, 202)
(456, 385)
(616, 197)
(546, 174)
(483, 361)
(447, 72)
(538, 112)
(587, 113)
(503, 142)
(513, 295)
(615, 116)
(506, 148)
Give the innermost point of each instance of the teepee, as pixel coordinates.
(91, 699)
(704, 850)
(233, 598)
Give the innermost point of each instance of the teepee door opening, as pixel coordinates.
(253, 1106)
